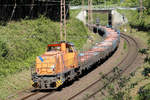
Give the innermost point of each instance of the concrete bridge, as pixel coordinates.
(114, 18)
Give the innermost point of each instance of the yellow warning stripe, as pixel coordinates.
(61, 81)
(58, 83)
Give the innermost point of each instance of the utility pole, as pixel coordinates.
(63, 21)
(82, 5)
(31, 8)
(141, 8)
(14, 9)
(90, 18)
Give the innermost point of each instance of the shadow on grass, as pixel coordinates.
(141, 27)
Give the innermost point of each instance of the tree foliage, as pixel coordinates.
(147, 6)
(79, 2)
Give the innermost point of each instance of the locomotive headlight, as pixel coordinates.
(52, 67)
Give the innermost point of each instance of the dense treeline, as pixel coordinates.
(79, 2)
(97, 2)
(127, 3)
(19, 9)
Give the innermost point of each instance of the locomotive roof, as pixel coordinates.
(59, 44)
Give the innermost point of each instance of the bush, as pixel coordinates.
(144, 92)
(146, 71)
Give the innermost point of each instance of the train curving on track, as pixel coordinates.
(61, 63)
(95, 87)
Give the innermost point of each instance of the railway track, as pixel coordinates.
(133, 46)
(25, 98)
(130, 57)
(43, 94)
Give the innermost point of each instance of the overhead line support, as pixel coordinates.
(63, 20)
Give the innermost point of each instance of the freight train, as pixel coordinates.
(61, 63)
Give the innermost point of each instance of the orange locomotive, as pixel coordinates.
(57, 59)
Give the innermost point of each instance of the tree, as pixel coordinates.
(146, 4)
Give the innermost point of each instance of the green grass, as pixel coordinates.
(12, 85)
(125, 45)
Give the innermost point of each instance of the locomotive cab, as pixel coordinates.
(57, 59)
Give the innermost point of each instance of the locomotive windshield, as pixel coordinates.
(53, 48)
